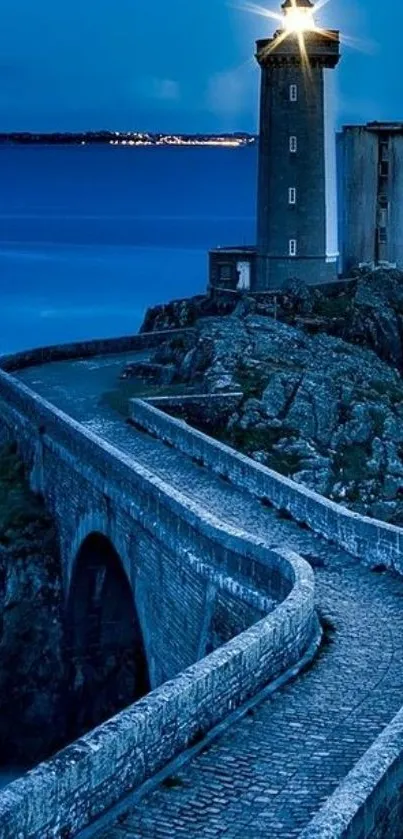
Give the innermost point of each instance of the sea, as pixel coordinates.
(90, 236)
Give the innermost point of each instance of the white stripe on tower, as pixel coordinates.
(332, 245)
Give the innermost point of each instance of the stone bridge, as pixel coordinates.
(202, 563)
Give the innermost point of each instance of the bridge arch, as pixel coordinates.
(107, 663)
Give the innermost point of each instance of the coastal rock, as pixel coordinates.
(324, 410)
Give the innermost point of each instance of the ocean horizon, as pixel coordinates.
(90, 237)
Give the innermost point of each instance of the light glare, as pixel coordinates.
(298, 20)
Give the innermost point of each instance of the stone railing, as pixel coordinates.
(369, 801)
(88, 349)
(65, 794)
(374, 542)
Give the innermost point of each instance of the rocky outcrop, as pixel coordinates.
(323, 410)
(32, 671)
(366, 310)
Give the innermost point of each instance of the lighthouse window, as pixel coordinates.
(292, 247)
(292, 195)
(293, 144)
(293, 93)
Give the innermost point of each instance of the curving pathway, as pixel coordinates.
(270, 772)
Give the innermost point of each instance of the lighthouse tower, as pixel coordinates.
(297, 197)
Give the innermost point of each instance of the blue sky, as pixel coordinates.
(184, 65)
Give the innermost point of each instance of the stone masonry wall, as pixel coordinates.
(369, 802)
(87, 349)
(86, 495)
(87, 485)
(374, 542)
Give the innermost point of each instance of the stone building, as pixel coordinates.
(297, 189)
(370, 166)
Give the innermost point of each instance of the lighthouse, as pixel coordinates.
(297, 219)
(297, 185)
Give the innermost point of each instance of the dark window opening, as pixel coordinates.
(384, 151)
(225, 272)
(384, 168)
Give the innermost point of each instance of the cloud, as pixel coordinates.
(162, 90)
(228, 93)
(167, 89)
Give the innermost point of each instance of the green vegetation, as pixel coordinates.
(333, 307)
(350, 465)
(252, 382)
(118, 399)
(263, 439)
(19, 507)
(392, 391)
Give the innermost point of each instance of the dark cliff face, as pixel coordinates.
(32, 671)
(53, 686)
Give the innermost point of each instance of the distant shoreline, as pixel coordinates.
(131, 139)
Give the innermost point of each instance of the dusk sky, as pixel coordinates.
(174, 65)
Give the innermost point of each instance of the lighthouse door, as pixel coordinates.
(243, 269)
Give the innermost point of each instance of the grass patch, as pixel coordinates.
(262, 439)
(391, 390)
(252, 381)
(119, 398)
(351, 463)
(333, 307)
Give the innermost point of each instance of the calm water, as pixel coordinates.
(89, 237)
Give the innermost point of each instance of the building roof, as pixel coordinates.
(378, 127)
(299, 4)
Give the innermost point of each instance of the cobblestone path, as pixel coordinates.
(271, 771)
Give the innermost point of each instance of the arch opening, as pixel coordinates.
(108, 667)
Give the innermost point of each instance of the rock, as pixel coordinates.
(376, 465)
(316, 479)
(325, 410)
(279, 392)
(394, 465)
(261, 457)
(252, 415)
(32, 655)
(383, 510)
(392, 487)
(393, 428)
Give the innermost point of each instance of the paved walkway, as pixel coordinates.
(270, 772)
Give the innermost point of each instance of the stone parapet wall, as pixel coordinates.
(65, 794)
(368, 804)
(62, 796)
(88, 349)
(374, 542)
